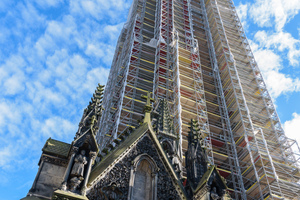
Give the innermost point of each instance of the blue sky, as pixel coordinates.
(54, 52)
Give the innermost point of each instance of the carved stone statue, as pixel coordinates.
(74, 183)
(79, 162)
(213, 194)
(111, 192)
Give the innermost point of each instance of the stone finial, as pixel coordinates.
(148, 106)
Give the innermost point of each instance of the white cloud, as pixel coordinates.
(280, 83)
(30, 15)
(50, 65)
(242, 11)
(5, 155)
(8, 113)
(274, 12)
(93, 50)
(100, 9)
(292, 127)
(271, 50)
(270, 65)
(5, 32)
(4, 4)
(12, 77)
(48, 3)
(97, 75)
(62, 29)
(14, 84)
(281, 41)
(57, 127)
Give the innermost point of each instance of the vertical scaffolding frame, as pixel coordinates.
(194, 54)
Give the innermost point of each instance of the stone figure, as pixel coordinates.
(79, 162)
(111, 192)
(74, 183)
(213, 194)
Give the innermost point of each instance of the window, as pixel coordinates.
(143, 178)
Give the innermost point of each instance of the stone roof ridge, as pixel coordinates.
(115, 143)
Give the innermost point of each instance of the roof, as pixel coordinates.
(206, 177)
(56, 147)
(108, 160)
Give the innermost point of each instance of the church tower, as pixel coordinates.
(185, 114)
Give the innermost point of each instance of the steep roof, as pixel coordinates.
(57, 148)
(206, 177)
(111, 158)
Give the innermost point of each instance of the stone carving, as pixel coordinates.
(79, 162)
(55, 197)
(74, 183)
(196, 158)
(213, 194)
(120, 175)
(56, 161)
(111, 192)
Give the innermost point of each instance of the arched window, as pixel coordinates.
(167, 147)
(143, 179)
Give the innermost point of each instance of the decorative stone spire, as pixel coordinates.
(91, 115)
(163, 126)
(164, 121)
(196, 158)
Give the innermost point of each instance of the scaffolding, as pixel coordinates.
(249, 114)
(131, 74)
(195, 55)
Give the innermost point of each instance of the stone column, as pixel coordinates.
(87, 174)
(131, 180)
(67, 173)
(154, 184)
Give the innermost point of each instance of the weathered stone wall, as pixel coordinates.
(49, 179)
(120, 174)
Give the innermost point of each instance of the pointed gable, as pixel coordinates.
(210, 180)
(115, 169)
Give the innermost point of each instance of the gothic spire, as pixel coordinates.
(196, 158)
(91, 115)
(164, 121)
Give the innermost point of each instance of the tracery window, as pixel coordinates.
(143, 179)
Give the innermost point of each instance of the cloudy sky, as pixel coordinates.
(54, 52)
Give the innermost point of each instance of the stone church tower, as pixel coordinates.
(209, 116)
(143, 163)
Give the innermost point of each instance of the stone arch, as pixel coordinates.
(167, 147)
(143, 178)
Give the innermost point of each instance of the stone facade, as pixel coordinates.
(52, 166)
(142, 164)
(49, 178)
(120, 174)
